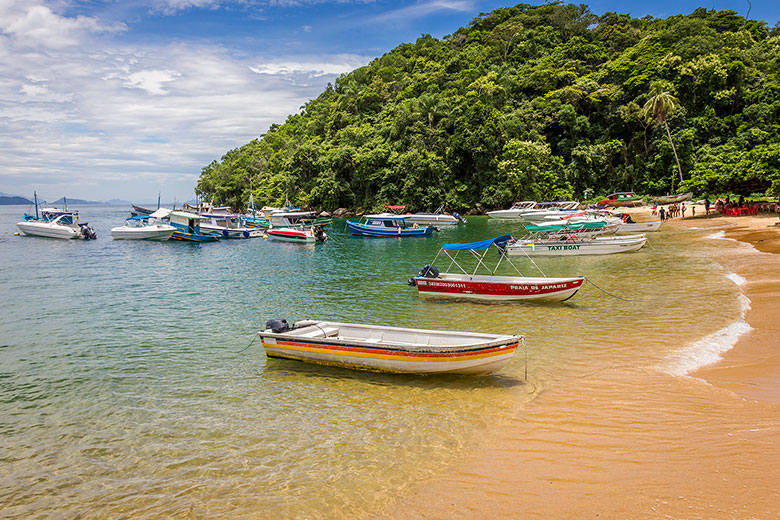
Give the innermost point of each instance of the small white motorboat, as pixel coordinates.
(437, 218)
(513, 213)
(55, 223)
(310, 234)
(142, 227)
(572, 245)
(389, 349)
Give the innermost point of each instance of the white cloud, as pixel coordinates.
(103, 120)
(37, 25)
(425, 8)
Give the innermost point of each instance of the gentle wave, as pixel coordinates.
(718, 235)
(737, 279)
(709, 349)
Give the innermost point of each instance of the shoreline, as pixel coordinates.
(701, 445)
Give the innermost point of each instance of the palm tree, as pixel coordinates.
(660, 107)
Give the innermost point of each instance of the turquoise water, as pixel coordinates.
(133, 385)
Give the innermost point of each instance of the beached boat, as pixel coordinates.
(187, 225)
(227, 225)
(622, 199)
(437, 218)
(387, 225)
(490, 287)
(55, 223)
(639, 227)
(671, 199)
(513, 213)
(297, 234)
(389, 349)
(573, 245)
(143, 227)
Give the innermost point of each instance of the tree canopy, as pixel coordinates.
(530, 102)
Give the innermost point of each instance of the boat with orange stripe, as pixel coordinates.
(389, 349)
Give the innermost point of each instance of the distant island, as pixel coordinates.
(13, 201)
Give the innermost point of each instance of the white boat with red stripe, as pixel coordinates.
(489, 287)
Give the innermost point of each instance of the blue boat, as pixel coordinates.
(387, 225)
(187, 226)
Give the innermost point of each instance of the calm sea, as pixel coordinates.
(132, 384)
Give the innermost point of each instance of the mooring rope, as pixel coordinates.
(254, 337)
(606, 292)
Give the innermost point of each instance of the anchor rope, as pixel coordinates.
(606, 292)
(250, 344)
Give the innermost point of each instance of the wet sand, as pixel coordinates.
(703, 446)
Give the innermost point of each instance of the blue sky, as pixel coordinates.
(125, 99)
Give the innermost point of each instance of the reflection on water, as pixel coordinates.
(128, 388)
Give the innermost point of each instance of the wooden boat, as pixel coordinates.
(573, 245)
(491, 287)
(671, 199)
(387, 225)
(622, 199)
(187, 226)
(143, 228)
(389, 349)
(227, 225)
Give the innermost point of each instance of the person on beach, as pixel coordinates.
(693, 211)
(683, 210)
(707, 206)
(655, 208)
(661, 212)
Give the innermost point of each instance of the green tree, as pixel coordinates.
(659, 107)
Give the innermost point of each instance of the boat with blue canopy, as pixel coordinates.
(387, 225)
(471, 283)
(187, 225)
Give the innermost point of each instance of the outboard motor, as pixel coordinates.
(277, 326)
(87, 232)
(457, 216)
(428, 271)
(319, 233)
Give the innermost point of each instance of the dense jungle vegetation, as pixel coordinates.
(530, 102)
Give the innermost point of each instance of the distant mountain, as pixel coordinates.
(9, 200)
(117, 202)
(74, 201)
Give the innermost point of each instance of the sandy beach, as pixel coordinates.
(703, 445)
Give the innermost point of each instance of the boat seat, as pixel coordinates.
(319, 332)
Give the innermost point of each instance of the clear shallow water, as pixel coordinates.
(132, 383)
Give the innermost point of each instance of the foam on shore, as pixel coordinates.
(710, 348)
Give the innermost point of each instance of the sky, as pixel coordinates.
(125, 99)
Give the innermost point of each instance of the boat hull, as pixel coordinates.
(364, 230)
(639, 227)
(671, 199)
(595, 246)
(48, 230)
(392, 349)
(193, 237)
(290, 235)
(430, 219)
(498, 288)
(152, 234)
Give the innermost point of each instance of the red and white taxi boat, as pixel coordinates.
(431, 283)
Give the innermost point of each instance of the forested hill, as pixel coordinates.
(530, 102)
